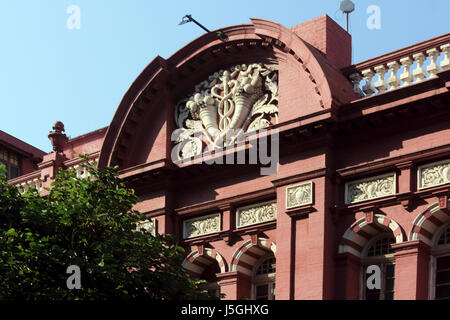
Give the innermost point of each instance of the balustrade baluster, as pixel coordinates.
(393, 80)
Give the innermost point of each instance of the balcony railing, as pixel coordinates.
(32, 180)
(401, 68)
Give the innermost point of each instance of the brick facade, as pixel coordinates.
(328, 136)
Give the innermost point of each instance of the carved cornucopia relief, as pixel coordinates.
(240, 99)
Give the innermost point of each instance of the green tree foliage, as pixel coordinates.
(89, 223)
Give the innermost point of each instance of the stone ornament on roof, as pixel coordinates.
(237, 100)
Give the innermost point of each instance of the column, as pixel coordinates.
(412, 260)
(285, 236)
(348, 271)
(234, 285)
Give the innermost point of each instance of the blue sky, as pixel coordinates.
(49, 72)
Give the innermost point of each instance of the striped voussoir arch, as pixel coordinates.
(359, 234)
(196, 263)
(426, 224)
(247, 255)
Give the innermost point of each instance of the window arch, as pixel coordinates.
(263, 278)
(440, 262)
(378, 251)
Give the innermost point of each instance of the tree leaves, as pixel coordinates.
(89, 223)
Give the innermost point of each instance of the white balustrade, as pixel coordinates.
(81, 171)
(380, 84)
(406, 77)
(419, 73)
(25, 186)
(445, 63)
(393, 80)
(433, 68)
(426, 66)
(356, 80)
(368, 88)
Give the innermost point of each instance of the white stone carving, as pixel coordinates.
(255, 214)
(370, 188)
(299, 195)
(149, 225)
(433, 174)
(240, 99)
(201, 226)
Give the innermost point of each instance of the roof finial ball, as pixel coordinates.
(57, 137)
(347, 7)
(58, 127)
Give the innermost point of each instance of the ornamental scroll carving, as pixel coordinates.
(299, 195)
(201, 226)
(371, 188)
(256, 214)
(434, 174)
(230, 102)
(148, 225)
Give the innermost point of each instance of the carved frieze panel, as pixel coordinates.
(370, 188)
(149, 225)
(433, 174)
(255, 214)
(230, 102)
(201, 226)
(299, 195)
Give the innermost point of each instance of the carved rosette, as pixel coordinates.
(255, 214)
(434, 174)
(229, 103)
(370, 188)
(201, 226)
(299, 195)
(149, 225)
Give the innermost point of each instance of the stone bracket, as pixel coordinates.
(301, 212)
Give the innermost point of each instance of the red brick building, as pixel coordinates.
(363, 171)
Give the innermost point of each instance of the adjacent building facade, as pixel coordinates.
(285, 171)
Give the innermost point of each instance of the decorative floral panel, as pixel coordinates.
(149, 225)
(255, 214)
(370, 188)
(433, 174)
(299, 195)
(201, 226)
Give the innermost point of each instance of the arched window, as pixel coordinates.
(379, 252)
(441, 264)
(264, 278)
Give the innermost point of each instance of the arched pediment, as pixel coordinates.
(141, 128)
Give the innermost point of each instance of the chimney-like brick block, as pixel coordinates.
(328, 37)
